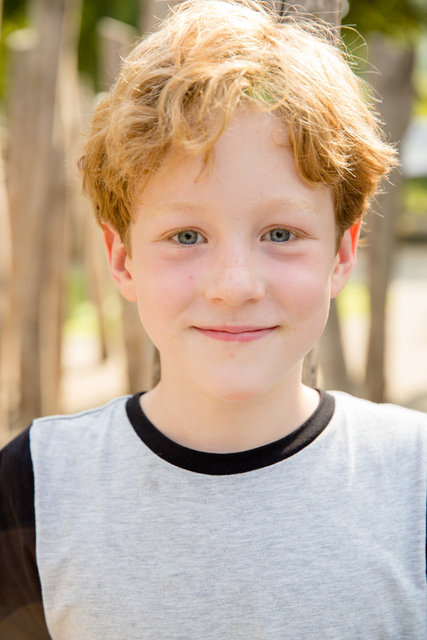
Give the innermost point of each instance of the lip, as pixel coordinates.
(236, 333)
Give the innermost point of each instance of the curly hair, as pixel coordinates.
(182, 84)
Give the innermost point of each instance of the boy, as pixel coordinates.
(230, 168)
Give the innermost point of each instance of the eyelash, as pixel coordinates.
(289, 236)
(175, 237)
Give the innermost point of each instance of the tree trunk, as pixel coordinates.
(393, 83)
(56, 211)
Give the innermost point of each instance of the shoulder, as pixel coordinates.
(383, 414)
(66, 448)
(385, 445)
(74, 427)
(49, 438)
(382, 426)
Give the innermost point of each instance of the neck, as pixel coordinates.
(205, 423)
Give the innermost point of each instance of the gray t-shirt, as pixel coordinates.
(321, 536)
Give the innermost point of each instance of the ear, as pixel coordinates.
(119, 262)
(345, 259)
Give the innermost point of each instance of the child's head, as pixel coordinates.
(181, 86)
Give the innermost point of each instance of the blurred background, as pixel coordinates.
(67, 340)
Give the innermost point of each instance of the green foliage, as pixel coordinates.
(81, 315)
(415, 196)
(93, 10)
(401, 19)
(14, 17)
(13, 7)
(353, 301)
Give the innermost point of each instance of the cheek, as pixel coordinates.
(304, 286)
(162, 291)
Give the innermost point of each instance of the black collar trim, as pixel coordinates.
(230, 463)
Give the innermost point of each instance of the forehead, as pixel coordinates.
(250, 164)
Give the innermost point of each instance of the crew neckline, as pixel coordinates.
(229, 463)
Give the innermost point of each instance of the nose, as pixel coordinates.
(235, 279)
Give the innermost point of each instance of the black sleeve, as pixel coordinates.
(21, 608)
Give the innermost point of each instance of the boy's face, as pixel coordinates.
(233, 273)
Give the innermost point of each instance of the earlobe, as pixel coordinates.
(345, 259)
(119, 263)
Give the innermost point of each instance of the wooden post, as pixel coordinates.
(393, 84)
(87, 248)
(6, 357)
(151, 11)
(55, 222)
(22, 168)
(116, 40)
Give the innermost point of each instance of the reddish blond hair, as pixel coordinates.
(181, 85)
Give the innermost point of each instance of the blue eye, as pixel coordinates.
(279, 235)
(189, 236)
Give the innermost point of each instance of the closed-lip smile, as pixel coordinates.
(242, 333)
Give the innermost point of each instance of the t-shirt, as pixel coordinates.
(109, 530)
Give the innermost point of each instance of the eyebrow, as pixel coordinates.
(294, 203)
(188, 207)
(171, 207)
